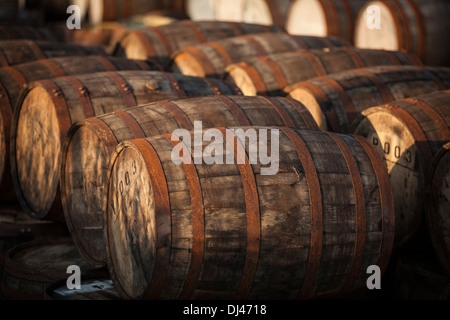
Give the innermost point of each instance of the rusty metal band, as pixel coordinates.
(213, 85)
(396, 16)
(323, 101)
(350, 18)
(106, 63)
(163, 38)
(316, 211)
(356, 57)
(3, 60)
(202, 60)
(333, 17)
(174, 83)
(84, 96)
(381, 86)
(180, 117)
(255, 44)
(198, 223)
(406, 29)
(438, 120)
(386, 203)
(162, 218)
(145, 41)
(105, 133)
(314, 61)
(323, 4)
(17, 76)
(53, 67)
(253, 214)
(350, 109)
(61, 108)
(235, 27)
(413, 58)
(276, 71)
(421, 28)
(360, 212)
(198, 32)
(235, 110)
(433, 77)
(254, 75)
(300, 41)
(330, 43)
(304, 113)
(222, 52)
(275, 12)
(419, 136)
(285, 116)
(124, 88)
(391, 55)
(37, 52)
(131, 123)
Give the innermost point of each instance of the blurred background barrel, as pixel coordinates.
(268, 12)
(418, 27)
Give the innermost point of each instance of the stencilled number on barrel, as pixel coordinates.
(127, 178)
(387, 147)
(397, 152)
(134, 167)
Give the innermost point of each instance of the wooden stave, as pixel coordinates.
(270, 75)
(130, 89)
(387, 220)
(16, 31)
(106, 128)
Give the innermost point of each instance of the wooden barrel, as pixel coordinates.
(92, 288)
(161, 42)
(270, 75)
(13, 79)
(33, 266)
(14, 52)
(417, 26)
(437, 204)
(419, 277)
(11, 32)
(89, 144)
(335, 100)
(324, 17)
(408, 133)
(268, 12)
(218, 10)
(51, 106)
(200, 10)
(210, 59)
(301, 232)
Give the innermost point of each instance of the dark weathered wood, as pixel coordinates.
(13, 79)
(14, 52)
(269, 75)
(161, 42)
(15, 31)
(418, 27)
(89, 144)
(437, 204)
(310, 230)
(46, 109)
(324, 17)
(335, 100)
(408, 133)
(31, 267)
(210, 59)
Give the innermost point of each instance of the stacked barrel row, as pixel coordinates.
(91, 149)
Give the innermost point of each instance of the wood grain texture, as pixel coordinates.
(335, 100)
(284, 236)
(271, 74)
(46, 110)
(408, 133)
(210, 59)
(161, 42)
(90, 143)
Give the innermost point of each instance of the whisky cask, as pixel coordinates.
(268, 12)
(161, 42)
(46, 110)
(14, 78)
(335, 100)
(210, 59)
(417, 27)
(270, 75)
(308, 230)
(408, 133)
(30, 268)
(90, 143)
(437, 204)
(14, 52)
(218, 10)
(324, 18)
(16, 31)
